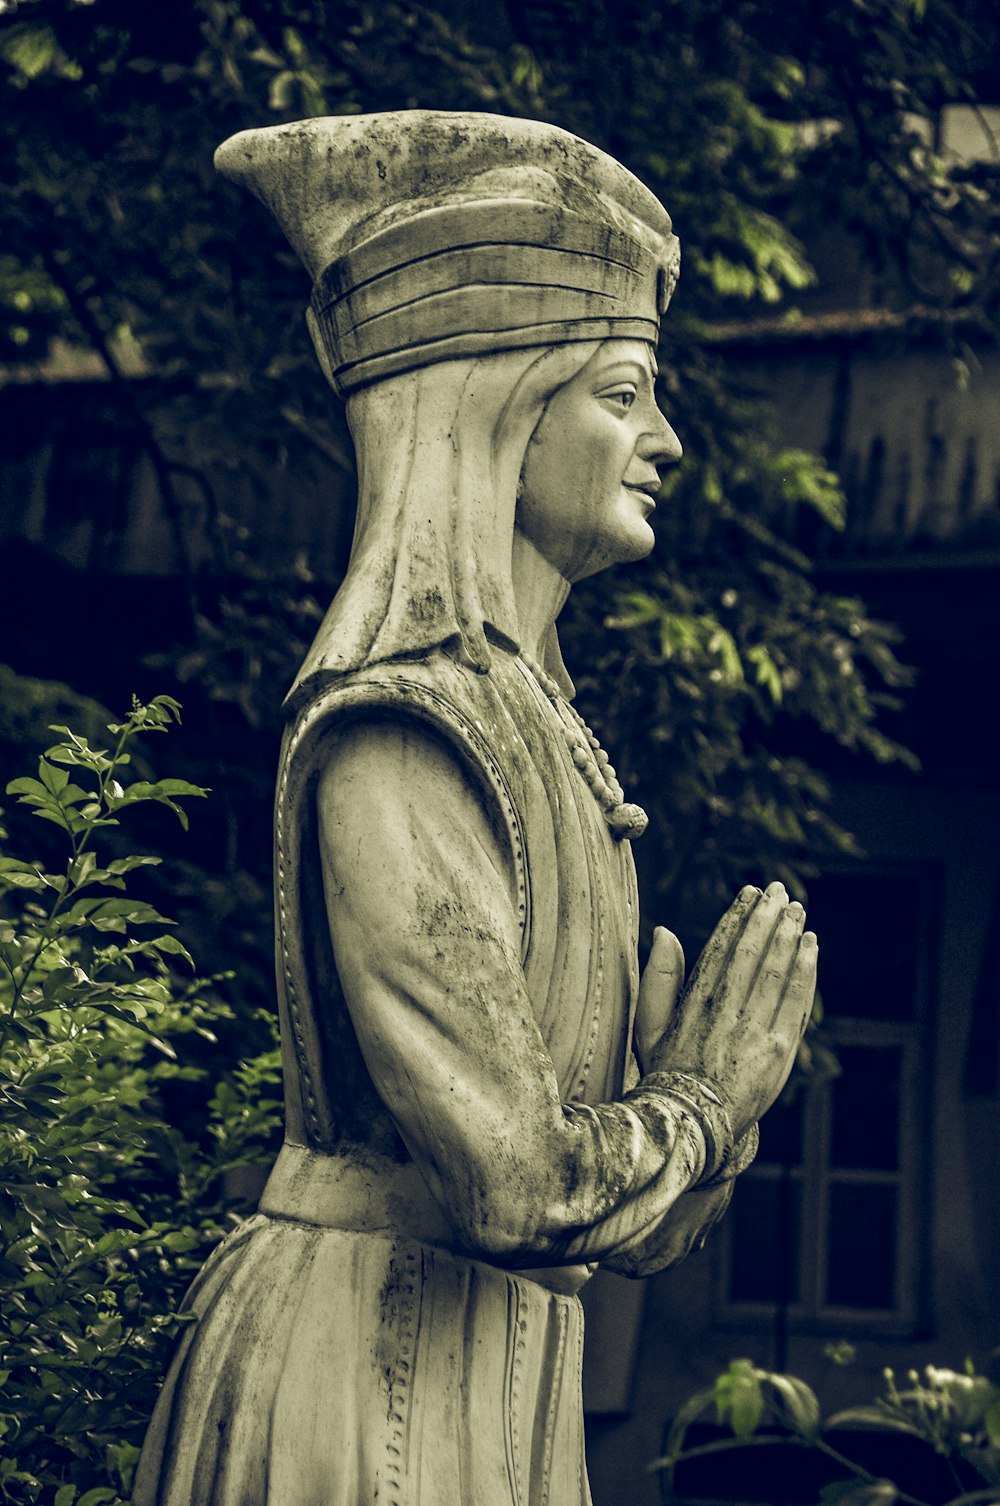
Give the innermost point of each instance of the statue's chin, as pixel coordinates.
(644, 545)
(624, 547)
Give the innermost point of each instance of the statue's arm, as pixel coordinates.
(685, 1226)
(418, 889)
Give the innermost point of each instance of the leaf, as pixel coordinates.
(81, 756)
(173, 946)
(800, 1404)
(15, 875)
(25, 786)
(114, 914)
(870, 1417)
(173, 787)
(739, 1398)
(168, 706)
(60, 982)
(122, 1458)
(683, 1418)
(803, 478)
(767, 673)
(282, 90)
(180, 1241)
(82, 868)
(53, 778)
(162, 792)
(266, 55)
(49, 812)
(126, 865)
(721, 642)
(991, 1420)
(29, 48)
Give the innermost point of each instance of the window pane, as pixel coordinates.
(861, 1247)
(781, 1133)
(870, 936)
(865, 1098)
(766, 1220)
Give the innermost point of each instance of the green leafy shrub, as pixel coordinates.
(107, 1206)
(956, 1413)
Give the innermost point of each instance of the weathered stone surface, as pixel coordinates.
(432, 235)
(483, 1102)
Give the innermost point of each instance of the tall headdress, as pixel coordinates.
(431, 235)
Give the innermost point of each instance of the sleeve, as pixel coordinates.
(686, 1225)
(418, 893)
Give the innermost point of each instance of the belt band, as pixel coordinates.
(370, 1194)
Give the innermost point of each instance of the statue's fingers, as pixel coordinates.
(659, 990)
(748, 956)
(776, 962)
(711, 965)
(795, 1005)
(663, 975)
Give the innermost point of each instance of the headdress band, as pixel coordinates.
(478, 277)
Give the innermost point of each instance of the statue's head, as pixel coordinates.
(431, 235)
(486, 296)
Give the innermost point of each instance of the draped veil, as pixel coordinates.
(440, 451)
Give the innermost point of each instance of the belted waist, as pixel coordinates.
(368, 1193)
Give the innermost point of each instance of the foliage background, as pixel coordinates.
(119, 1137)
(710, 669)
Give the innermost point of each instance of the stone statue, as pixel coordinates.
(483, 1102)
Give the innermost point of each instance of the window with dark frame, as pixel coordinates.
(827, 1224)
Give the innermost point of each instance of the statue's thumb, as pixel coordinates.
(659, 991)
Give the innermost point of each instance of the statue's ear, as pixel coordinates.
(319, 344)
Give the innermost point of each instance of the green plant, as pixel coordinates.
(106, 1206)
(956, 1413)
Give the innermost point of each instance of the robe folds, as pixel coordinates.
(350, 1344)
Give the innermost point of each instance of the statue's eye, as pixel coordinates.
(620, 397)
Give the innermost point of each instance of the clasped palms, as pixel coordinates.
(739, 1020)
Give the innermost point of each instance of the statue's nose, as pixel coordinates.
(661, 446)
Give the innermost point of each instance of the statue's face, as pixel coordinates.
(591, 469)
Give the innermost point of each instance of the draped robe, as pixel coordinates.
(352, 1344)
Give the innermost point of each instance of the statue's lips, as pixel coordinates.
(647, 491)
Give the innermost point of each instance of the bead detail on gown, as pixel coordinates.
(625, 820)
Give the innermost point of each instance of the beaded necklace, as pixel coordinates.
(625, 820)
